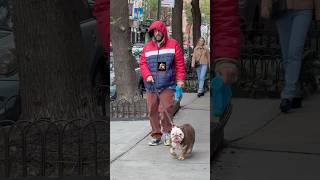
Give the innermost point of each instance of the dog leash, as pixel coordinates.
(162, 104)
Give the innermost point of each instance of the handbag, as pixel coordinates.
(279, 8)
(197, 62)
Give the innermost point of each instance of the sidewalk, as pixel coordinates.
(269, 144)
(132, 158)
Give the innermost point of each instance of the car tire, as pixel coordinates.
(114, 97)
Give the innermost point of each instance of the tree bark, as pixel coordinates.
(125, 77)
(196, 16)
(53, 66)
(177, 22)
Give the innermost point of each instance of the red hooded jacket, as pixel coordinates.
(101, 12)
(169, 53)
(226, 29)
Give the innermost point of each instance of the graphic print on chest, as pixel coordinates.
(162, 66)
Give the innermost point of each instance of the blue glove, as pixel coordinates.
(221, 95)
(178, 95)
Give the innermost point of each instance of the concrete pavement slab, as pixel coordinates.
(250, 114)
(146, 170)
(125, 134)
(188, 98)
(236, 164)
(295, 131)
(199, 103)
(158, 154)
(287, 147)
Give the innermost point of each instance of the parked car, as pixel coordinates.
(136, 54)
(9, 76)
(137, 49)
(9, 84)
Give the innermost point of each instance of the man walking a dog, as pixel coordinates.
(162, 69)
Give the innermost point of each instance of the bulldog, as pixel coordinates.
(182, 140)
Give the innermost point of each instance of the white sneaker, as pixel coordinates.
(167, 139)
(154, 142)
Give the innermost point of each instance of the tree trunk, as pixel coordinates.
(53, 68)
(196, 16)
(177, 22)
(125, 77)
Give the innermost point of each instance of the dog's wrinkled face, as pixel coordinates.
(177, 135)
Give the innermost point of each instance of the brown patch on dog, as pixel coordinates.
(188, 140)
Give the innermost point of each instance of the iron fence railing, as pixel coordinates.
(259, 76)
(54, 148)
(261, 72)
(124, 109)
(191, 81)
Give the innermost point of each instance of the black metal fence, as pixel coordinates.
(54, 148)
(260, 75)
(129, 110)
(261, 72)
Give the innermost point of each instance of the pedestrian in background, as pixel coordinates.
(201, 61)
(293, 18)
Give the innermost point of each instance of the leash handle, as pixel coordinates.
(162, 104)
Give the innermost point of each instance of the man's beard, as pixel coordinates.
(159, 40)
